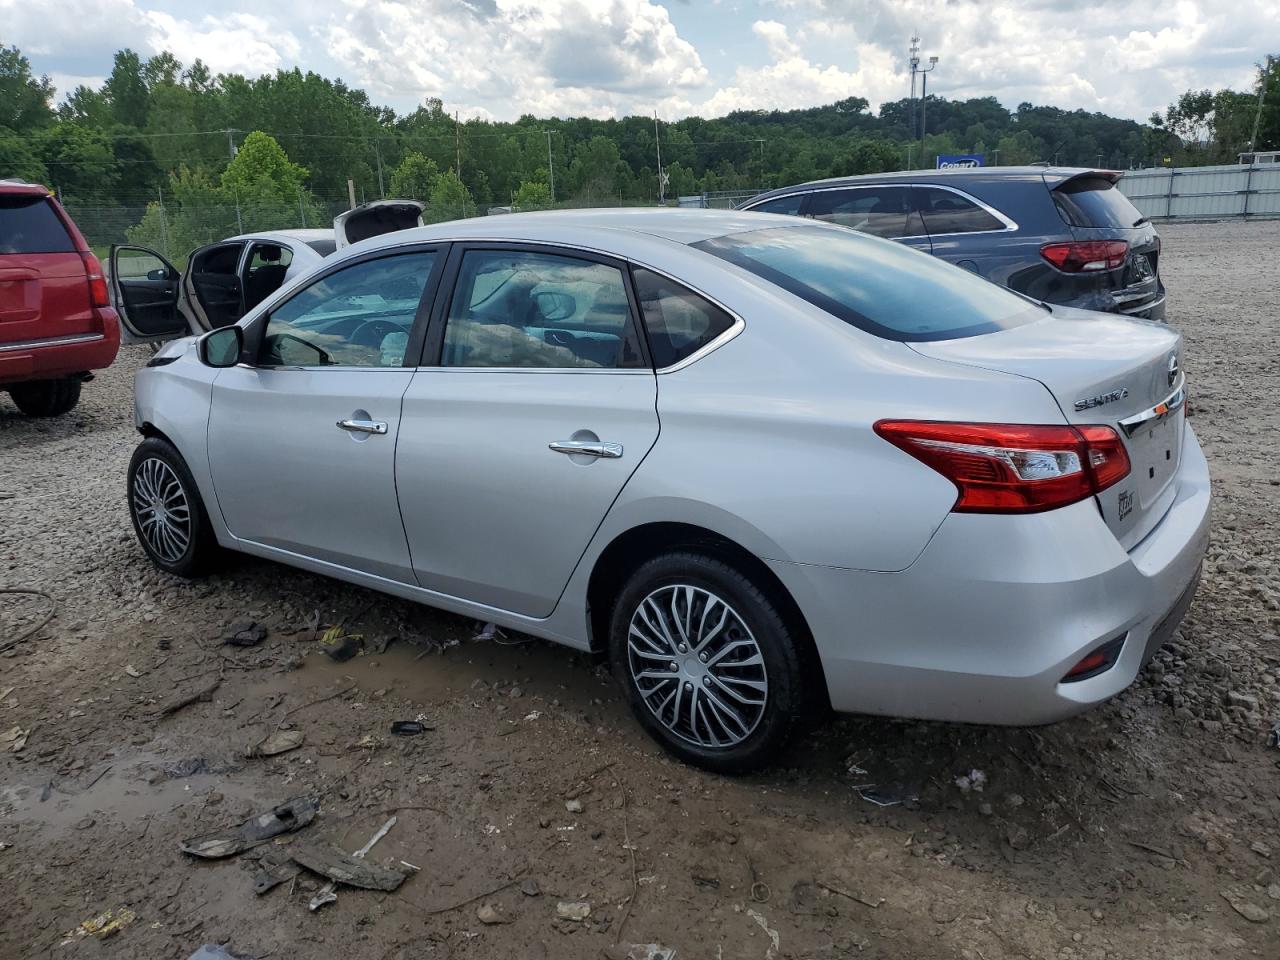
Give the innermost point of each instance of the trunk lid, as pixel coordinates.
(374, 219)
(1092, 206)
(1104, 370)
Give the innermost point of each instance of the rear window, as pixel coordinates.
(878, 286)
(1095, 202)
(30, 225)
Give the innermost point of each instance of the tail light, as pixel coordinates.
(1013, 468)
(1086, 256)
(97, 282)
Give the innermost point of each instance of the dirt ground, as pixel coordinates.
(1149, 828)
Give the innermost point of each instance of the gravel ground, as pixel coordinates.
(1149, 828)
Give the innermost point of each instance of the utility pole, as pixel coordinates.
(351, 193)
(377, 152)
(662, 180)
(911, 103)
(910, 147)
(551, 167)
(924, 98)
(231, 143)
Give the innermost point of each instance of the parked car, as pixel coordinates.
(56, 323)
(766, 465)
(225, 280)
(1061, 235)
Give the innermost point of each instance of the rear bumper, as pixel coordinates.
(985, 624)
(61, 356)
(1150, 310)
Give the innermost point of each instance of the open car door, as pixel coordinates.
(376, 218)
(144, 290)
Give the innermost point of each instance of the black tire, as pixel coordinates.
(764, 624)
(184, 558)
(46, 398)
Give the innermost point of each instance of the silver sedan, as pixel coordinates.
(766, 466)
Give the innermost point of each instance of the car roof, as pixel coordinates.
(23, 188)
(953, 176)
(600, 228)
(283, 236)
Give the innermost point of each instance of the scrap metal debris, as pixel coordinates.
(324, 856)
(275, 866)
(289, 816)
(282, 741)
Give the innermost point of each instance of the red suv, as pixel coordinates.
(56, 321)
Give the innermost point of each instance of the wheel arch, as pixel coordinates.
(636, 545)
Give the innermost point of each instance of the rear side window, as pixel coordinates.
(879, 211)
(678, 321)
(30, 225)
(886, 289)
(789, 205)
(1095, 202)
(946, 212)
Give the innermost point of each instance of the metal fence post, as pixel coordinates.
(239, 223)
(302, 209)
(1168, 204)
(1248, 186)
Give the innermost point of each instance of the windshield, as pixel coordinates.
(876, 285)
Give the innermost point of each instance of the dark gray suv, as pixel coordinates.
(1061, 235)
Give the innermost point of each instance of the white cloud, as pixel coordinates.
(230, 43)
(565, 57)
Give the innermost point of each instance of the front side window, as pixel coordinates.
(788, 205)
(527, 309)
(359, 316)
(879, 211)
(678, 321)
(946, 212)
(887, 289)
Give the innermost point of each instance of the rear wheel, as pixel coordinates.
(168, 516)
(709, 664)
(46, 398)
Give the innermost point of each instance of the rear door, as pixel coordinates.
(44, 286)
(213, 284)
(882, 211)
(1095, 209)
(144, 289)
(962, 229)
(534, 406)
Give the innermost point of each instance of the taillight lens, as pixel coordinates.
(1013, 468)
(98, 294)
(1086, 256)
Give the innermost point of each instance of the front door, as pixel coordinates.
(302, 442)
(534, 407)
(144, 289)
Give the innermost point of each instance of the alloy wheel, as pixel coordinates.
(697, 666)
(162, 509)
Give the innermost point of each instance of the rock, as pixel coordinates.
(573, 806)
(1273, 891)
(1261, 849)
(515, 693)
(573, 910)
(985, 809)
(1235, 698)
(1014, 800)
(1018, 837)
(530, 888)
(1246, 908)
(488, 913)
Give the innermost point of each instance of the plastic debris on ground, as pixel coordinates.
(408, 728)
(333, 863)
(289, 816)
(104, 925)
(282, 741)
(341, 647)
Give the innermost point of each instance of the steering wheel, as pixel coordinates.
(371, 333)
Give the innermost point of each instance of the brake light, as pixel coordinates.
(98, 295)
(1013, 468)
(1086, 256)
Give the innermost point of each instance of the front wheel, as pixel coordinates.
(168, 515)
(710, 666)
(46, 398)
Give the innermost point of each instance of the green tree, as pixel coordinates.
(414, 176)
(126, 89)
(24, 97)
(80, 162)
(450, 199)
(19, 159)
(262, 165)
(532, 195)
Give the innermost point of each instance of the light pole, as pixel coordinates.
(924, 99)
(914, 61)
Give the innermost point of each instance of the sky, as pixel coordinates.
(498, 59)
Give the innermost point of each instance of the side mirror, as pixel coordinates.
(554, 305)
(222, 347)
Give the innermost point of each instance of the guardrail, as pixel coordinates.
(1187, 193)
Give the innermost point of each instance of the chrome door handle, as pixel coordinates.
(363, 426)
(588, 448)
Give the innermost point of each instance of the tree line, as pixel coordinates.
(161, 131)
